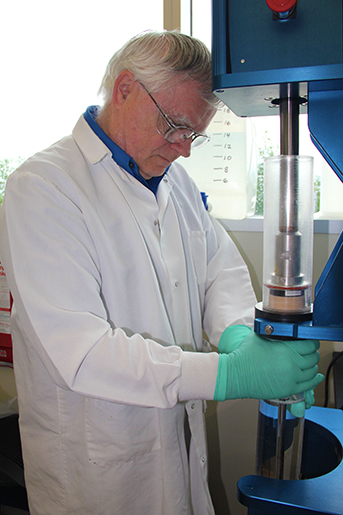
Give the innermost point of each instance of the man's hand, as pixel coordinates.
(259, 368)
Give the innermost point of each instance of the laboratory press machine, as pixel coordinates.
(288, 55)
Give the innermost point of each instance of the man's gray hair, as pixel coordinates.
(157, 58)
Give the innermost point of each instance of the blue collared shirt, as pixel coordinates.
(119, 156)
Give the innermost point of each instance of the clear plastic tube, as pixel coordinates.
(279, 439)
(288, 234)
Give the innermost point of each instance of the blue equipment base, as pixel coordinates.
(321, 492)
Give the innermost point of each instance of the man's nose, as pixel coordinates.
(183, 148)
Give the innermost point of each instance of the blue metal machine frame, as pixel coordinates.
(321, 495)
(253, 53)
(252, 56)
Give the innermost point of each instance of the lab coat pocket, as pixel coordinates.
(119, 433)
(198, 246)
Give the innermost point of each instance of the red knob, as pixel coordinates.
(280, 6)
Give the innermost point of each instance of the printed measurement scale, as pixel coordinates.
(225, 168)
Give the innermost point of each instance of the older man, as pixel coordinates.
(116, 268)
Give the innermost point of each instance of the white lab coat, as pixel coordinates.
(111, 288)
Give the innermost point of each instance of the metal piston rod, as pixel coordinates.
(287, 249)
(288, 240)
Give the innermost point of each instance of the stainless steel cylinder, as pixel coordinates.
(288, 234)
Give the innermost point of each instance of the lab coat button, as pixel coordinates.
(193, 406)
(177, 284)
(203, 460)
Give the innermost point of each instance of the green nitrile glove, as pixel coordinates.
(260, 368)
(232, 337)
(298, 409)
(230, 340)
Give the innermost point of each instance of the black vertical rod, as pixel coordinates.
(289, 119)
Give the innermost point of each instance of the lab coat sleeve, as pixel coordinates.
(225, 288)
(229, 295)
(55, 278)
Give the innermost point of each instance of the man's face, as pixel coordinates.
(140, 136)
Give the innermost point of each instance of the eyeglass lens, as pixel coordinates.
(179, 134)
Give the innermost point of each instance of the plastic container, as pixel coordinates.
(288, 234)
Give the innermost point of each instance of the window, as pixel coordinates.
(328, 189)
(52, 63)
(230, 169)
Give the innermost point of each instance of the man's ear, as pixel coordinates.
(122, 87)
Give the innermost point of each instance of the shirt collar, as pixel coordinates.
(118, 154)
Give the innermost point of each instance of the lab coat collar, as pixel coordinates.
(119, 155)
(92, 147)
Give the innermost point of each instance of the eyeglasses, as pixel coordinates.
(178, 133)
